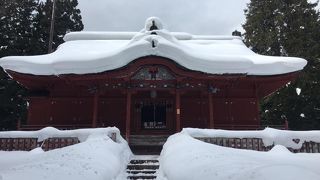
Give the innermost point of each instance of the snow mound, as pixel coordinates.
(186, 158)
(279, 149)
(37, 150)
(93, 52)
(50, 132)
(96, 158)
(270, 136)
(283, 172)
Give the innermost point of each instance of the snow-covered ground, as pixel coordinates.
(97, 158)
(182, 158)
(186, 158)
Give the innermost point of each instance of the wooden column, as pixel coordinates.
(257, 90)
(128, 115)
(178, 112)
(18, 124)
(95, 109)
(286, 124)
(211, 121)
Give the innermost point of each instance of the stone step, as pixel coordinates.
(141, 177)
(142, 167)
(146, 150)
(147, 140)
(141, 161)
(146, 143)
(142, 172)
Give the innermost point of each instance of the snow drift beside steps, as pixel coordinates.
(186, 158)
(97, 157)
(269, 136)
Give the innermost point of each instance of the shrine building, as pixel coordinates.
(149, 82)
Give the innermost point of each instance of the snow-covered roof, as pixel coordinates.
(94, 52)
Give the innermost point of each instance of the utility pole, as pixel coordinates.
(52, 26)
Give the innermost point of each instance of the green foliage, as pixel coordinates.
(15, 34)
(12, 103)
(67, 19)
(15, 38)
(24, 30)
(288, 28)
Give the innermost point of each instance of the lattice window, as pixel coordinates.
(153, 73)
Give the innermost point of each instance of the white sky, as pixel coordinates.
(214, 17)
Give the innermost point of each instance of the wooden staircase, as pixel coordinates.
(143, 167)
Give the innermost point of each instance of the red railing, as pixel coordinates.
(257, 144)
(27, 144)
(247, 127)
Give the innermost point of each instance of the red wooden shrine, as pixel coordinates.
(150, 95)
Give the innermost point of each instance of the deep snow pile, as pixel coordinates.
(97, 157)
(185, 158)
(269, 136)
(48, 132)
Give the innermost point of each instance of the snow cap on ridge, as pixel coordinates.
(153, 22)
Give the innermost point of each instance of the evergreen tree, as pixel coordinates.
(288, 28)
(24, 30)
(15, 39)
(263, 22)
(67, 18)
(15, 26)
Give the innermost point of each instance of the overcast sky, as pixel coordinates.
(216, 17)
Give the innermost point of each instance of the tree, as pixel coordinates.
(24, 30)
(263, 21)
(15, 26)
(288, 28)
(15, 38)
(67, 18)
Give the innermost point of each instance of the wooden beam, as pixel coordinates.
(211, 120)
(95, 109)
(128, 116)
(178, 112)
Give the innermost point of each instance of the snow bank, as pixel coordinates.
(49, 132)
(270, 136)
(92, 52)
(185, 158)
(97, 157)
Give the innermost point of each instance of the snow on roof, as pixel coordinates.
(94, 52)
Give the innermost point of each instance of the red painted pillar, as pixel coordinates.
(18, 124)
(211, 120)
(178, 112)
(286, 124)
(128, 116)
(95, 110)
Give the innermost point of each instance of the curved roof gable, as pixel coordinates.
(94, 52)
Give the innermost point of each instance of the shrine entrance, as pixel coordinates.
(154, 116)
